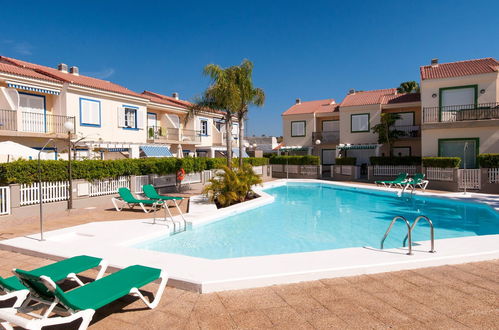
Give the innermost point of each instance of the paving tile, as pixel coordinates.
(255, 319)
(282, 315)
(480, 320)
(328, 322)
(248, 300)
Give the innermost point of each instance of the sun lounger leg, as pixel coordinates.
(20, 296)
(115, 203)
(157, 297)
(143, 208)
(9, 316)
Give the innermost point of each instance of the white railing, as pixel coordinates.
(52, 192)
(469, 178)
(493, 175)
(258, 170)
(192, 178)
(109, 186)
(4, 200)
(140, 180)
(346, 170)
(309, 169)
(440, 174)
(393, 170)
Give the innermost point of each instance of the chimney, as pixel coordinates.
(62, 67)
(74, 70)
(351, 91)
(434, 62)
(175, 95)
(298, 101)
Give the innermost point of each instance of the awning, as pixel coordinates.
(357, 146)
(235, 153)
(156, 151)
(293, 148)
(32, 88)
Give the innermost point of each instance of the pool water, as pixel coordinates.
(311, 217)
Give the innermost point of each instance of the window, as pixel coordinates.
(406, 119)
(401, 151)
(458, 96)
(330, 125)
(298, 128)
(130, 118)
(457, 147)
(204, 126)
(359, 123)
(90, 112)
(328, 156)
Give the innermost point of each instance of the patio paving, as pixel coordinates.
(450, 297)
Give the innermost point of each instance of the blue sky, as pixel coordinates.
(307, 49)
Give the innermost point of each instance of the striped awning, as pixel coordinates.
(156, 151)
(235, 152)
(357, 146)
(32, 88)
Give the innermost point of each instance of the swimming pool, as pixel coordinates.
(309, 217)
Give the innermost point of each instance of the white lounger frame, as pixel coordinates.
(118, 200)
(9, 316)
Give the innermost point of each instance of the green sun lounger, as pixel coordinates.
(399, 180)
(82, 302)
(126, 198)
(151, 193)
(418, 180)
(58, 271)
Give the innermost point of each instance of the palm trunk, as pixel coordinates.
(228, 139)
(241, 136)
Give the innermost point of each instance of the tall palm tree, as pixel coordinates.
(221, 96)
(408, 87)
(248, 96)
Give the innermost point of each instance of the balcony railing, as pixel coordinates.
(410, 131)
(33, 122)
(191, 136)
(158, 133)
(466, 112)
(327, 136)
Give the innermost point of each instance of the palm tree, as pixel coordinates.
(248, 96)
(408, 87)
(386, 135)
(221, 96)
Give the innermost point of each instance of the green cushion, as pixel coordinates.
(127, 196)
(108, 289)
(57, 271)
(150, 192)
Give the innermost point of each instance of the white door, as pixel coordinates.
(33, 112)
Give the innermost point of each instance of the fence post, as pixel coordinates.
(133, 183)
(15, 196)
(370, 170)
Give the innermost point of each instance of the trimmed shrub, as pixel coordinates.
(26, 171)
(346, 161)
(295, 160)
(446, 162)
(404, 160)
(488, 160)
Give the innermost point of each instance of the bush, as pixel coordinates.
(404, 160)
(346, 161)
(452, 162)
(26, 171)
(295, 160)
(488, 160)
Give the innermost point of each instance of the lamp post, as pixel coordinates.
(69, 126)
(317, 143)
(40, 191)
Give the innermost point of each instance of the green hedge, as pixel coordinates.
(346, 161)
(452, 162)
(295, 160)
(488, 160)
(26, 171)
(404, 160)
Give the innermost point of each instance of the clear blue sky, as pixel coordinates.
(306, 49)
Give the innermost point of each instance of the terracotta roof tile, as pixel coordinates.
(13, 69)
(163, 99)
(458, 69)
(319, 106)
(71, 78)
(400, 98)
(366, 97)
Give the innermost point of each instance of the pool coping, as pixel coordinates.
(204, 275)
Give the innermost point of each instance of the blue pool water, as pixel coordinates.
(311, 217)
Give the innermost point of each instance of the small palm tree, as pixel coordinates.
(386, 134)
(408, 87)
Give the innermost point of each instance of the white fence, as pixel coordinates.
(4, 200)
(393, 170)
(440, 174)
(192, 178)
(469, 179)
(258, 170)
(51, 191)
(140, 180)
(493, 175)
(108, 187)
(346, 170)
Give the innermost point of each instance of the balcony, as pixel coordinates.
(407, 132)
(170, 134)
(32, 122)
(327, 137)
(460, 113)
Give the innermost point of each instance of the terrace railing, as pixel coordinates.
(108, 186)
(4, 200)
(440, 174)
(392, 170)
(52, 192)
(191, 136)
(409, 131)
(8, 120)
(326, 136)
(33, 122)
(493, 175)
(466, 112)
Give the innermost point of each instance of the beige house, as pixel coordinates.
(460, 103)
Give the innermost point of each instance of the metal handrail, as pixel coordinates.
(432, 232)
(408, 232)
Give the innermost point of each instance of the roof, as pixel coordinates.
(7, 67)
(319, 106)
(163, 99)
(400, 98)
(367, 97)
(80, 80)
(458, 69)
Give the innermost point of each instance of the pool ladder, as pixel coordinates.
(410, 228)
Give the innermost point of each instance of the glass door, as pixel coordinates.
(466, 149)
